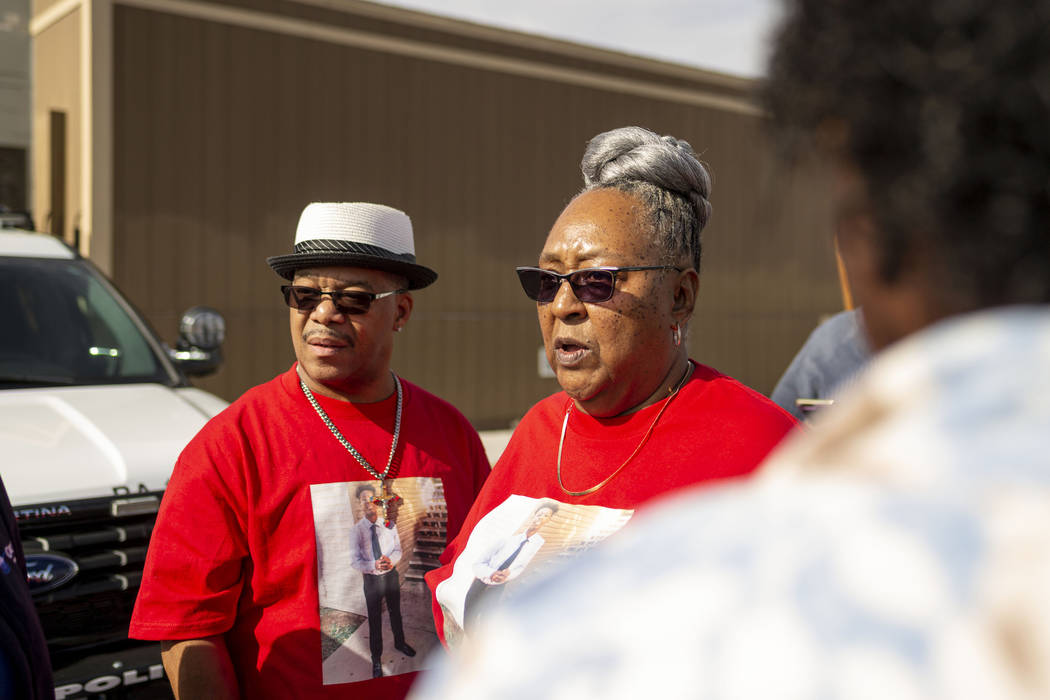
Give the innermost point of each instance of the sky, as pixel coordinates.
(722, 35)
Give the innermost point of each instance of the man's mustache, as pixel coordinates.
(327, 335)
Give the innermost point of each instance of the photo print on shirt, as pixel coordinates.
(516, 541)
(373, 600)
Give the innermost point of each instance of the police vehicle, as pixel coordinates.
(94, 410)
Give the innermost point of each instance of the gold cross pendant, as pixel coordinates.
(385, 500)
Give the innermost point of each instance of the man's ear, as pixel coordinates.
(404, 310)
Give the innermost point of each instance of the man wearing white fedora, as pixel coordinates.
(251, 580)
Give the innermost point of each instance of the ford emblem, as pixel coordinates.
(46, 572)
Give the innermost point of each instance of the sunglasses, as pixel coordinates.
(307, 299)
(591, 285)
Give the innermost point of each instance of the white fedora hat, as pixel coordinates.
(356, 234)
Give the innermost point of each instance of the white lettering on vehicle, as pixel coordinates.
(43, 511)
(133, 676)
(64, 691)
(103, 683)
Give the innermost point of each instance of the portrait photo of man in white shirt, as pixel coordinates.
(376, 550)
(505, 562)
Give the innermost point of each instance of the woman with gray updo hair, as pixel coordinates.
(637, 417)
(664, 173)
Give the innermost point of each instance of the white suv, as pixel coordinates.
(94, 411)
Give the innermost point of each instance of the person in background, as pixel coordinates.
(25, 667)
(827, 364)
(615, 289)
(231, 578)
(901, 548)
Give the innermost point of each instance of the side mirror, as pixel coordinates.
(198, 351)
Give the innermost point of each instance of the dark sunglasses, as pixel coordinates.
(307, 299)
(592, 284)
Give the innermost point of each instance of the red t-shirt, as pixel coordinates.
(715, 428)
(255, 537)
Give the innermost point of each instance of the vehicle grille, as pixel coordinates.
(107, 539)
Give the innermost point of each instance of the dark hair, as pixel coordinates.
(546, 505)
(664, 174)
(944, 108)
(362, 488)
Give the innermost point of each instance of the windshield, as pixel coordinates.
(61, 325)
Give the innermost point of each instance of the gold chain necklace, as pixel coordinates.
(645, 438)
(383, 498)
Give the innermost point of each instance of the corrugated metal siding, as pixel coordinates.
(222, 134)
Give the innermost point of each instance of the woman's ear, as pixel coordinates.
(687, 286)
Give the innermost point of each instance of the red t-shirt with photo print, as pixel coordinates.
(714, 429)
(235, 549)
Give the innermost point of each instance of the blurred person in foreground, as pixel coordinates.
(250, 579)
(614, 289)
(900, 549)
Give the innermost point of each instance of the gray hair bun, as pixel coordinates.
(632, 153)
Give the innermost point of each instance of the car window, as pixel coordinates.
(61, 325)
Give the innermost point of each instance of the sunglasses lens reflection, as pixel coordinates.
(307, 299)
(302, 298)
(296, 298)
(588, 285)
(352, 302)
(546, 286)
(530, 282)
(592, 285)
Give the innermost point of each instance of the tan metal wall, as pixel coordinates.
(223, 133)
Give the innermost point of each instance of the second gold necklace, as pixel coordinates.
(645, 438)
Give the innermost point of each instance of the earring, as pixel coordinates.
(676, 334)
(398, 329)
